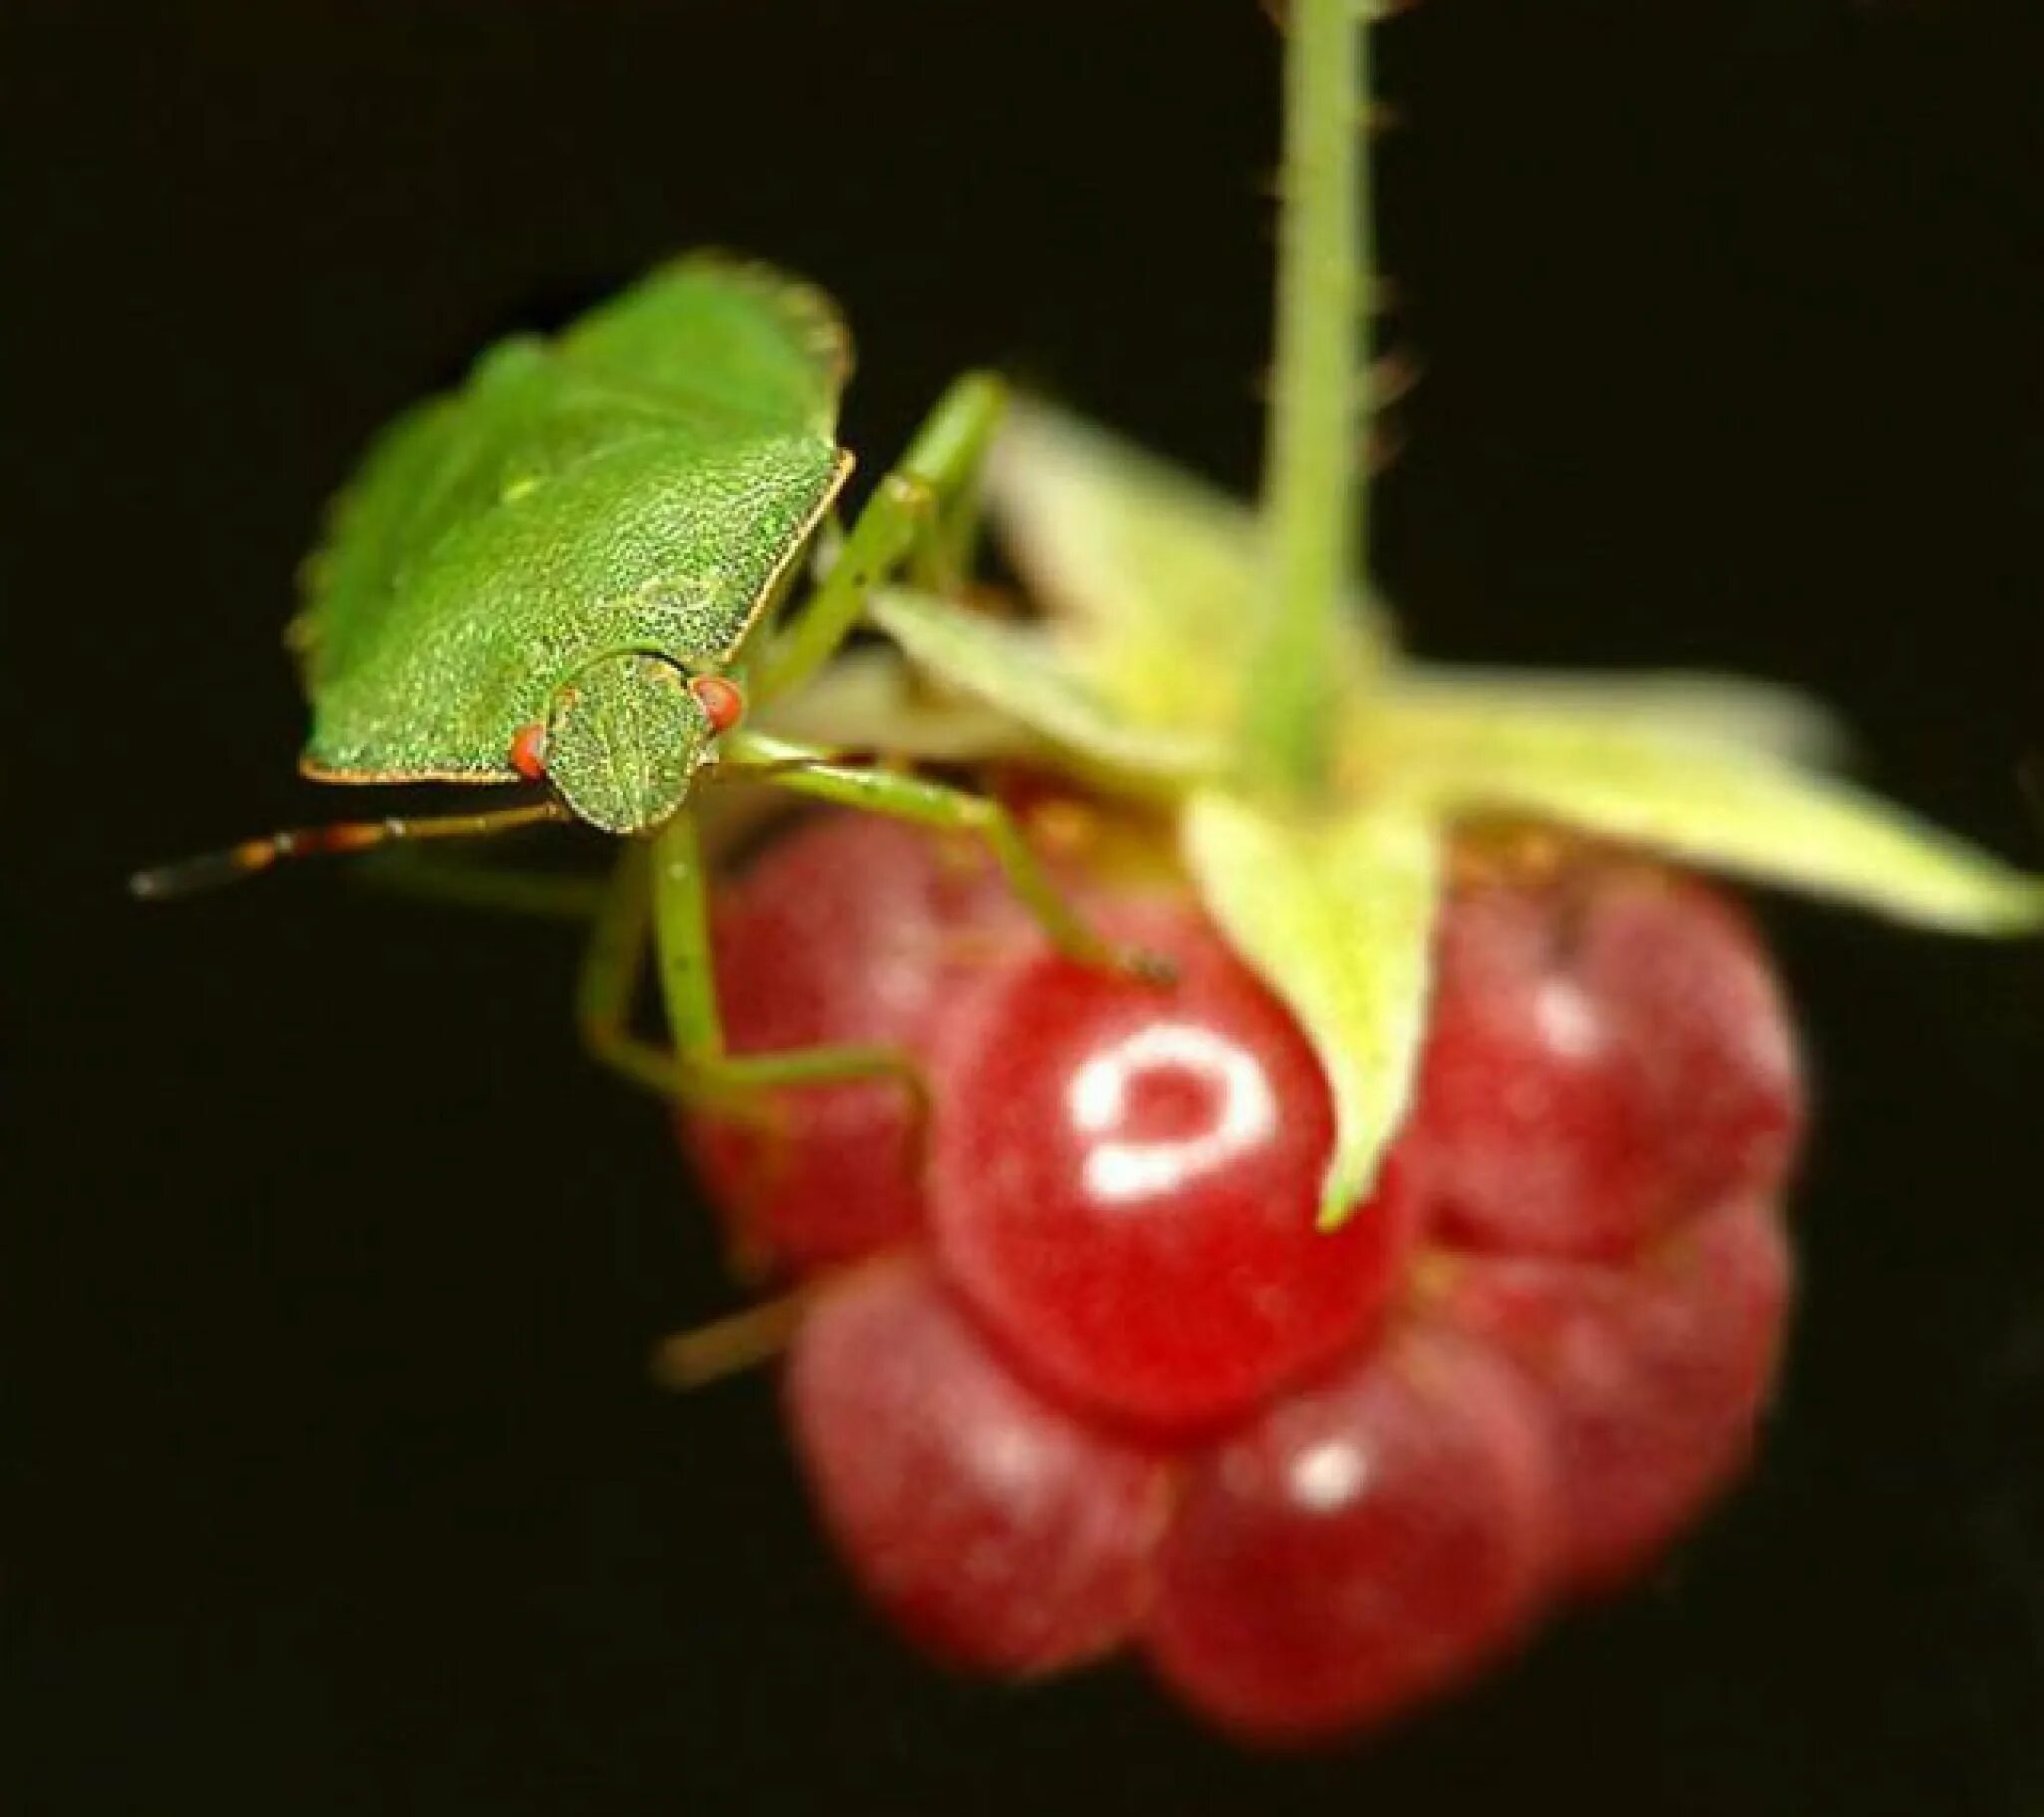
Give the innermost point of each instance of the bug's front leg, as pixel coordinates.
(660, 885)
(921, 516)
(612, 965)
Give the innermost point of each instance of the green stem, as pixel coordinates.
(1313, 494)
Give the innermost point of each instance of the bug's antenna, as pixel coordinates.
(210, 870)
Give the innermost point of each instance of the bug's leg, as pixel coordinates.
(461, 883)
(663, 884)
(658, 885)
(922, 516)
(936, 804)
(608, 985)
(741, 1340)
(687, 993)
(744, 1088)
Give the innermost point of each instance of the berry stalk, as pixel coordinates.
(1314, 497)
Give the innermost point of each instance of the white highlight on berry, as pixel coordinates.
(1098, 1098)
(1568, 1020)
(1329, 1475)
(1005, 1456)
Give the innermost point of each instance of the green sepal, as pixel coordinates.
(1718, 710)
(1019, 670)
(1724, 806)
(1149, 576)
(1338, 916)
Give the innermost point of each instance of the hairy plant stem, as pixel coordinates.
(1313, 493)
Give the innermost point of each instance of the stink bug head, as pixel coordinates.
(623, 741)
(626, 736)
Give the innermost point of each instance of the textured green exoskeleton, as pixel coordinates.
(574, 569)
(564, 542)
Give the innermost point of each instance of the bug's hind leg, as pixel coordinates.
(726, 1346)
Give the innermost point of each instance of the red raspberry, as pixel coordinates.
(854, 929)
(997, 1529)
(1359, 1545)
(1116, 1385)
(1123, 1181)
(1653, 1375)
(1607, 1052)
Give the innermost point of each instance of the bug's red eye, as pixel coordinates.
(720, 700)
(529, 751)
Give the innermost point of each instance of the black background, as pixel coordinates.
(334, 1481)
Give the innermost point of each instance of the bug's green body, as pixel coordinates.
(639, 487)
(544, 576)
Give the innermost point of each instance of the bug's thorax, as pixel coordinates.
(624, 739)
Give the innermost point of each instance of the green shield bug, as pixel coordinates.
(575, 569)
